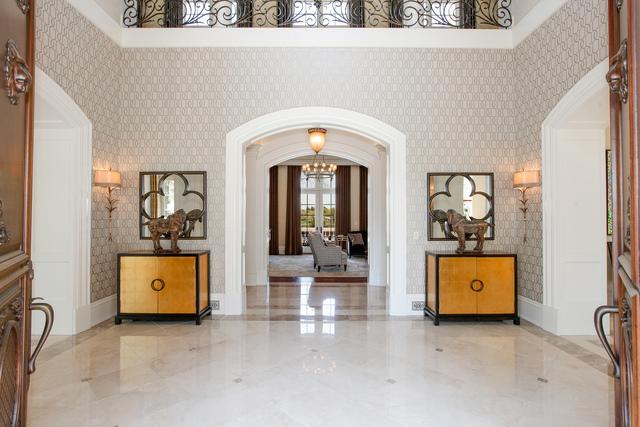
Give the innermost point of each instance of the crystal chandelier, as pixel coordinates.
(319, 167)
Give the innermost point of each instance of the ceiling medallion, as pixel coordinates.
(23, 5)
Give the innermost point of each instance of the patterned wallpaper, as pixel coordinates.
(462, 110)
(88, 66)
(548, 64)
(455, 106)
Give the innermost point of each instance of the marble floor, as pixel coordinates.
(311, 353)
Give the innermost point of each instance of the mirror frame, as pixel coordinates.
(489, 217)
(143, 215)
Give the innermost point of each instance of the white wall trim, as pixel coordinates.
(587, 87)
(530, 310)
(101, 19)
(317, 37)
(534, 19)
(303, 118)
(50, 92)
(98, 311)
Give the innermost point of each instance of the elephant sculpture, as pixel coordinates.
(466, 228)
(171, 226)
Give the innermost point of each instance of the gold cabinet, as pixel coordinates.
(472, 286)
(163, 286)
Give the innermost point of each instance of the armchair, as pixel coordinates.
(355, 246)
(324, 254)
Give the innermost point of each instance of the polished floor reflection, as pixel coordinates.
(315, 373)
(314, 298)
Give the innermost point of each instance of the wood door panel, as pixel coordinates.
(13, 122)
(498, 294)
(136, 293)
(456, 296)
(179, 292)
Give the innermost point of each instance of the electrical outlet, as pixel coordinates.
(417, 306)
(215, 305)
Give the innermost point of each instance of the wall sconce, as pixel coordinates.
(112, 180)
(524, 180)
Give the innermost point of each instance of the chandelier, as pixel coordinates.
(319, 168)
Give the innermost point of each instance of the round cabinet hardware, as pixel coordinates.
(156, 287)
(477, 285)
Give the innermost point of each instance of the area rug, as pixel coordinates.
(302, 265)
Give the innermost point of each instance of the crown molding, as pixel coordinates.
(534, 19)
(317, 37)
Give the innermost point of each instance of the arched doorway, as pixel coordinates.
(574, 138)
(61, 216)
(347, 121)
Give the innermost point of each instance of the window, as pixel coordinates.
(317, 207)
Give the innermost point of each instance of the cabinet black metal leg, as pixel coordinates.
(118, 321)
(516, 321)
(198, 321)
(436, 322)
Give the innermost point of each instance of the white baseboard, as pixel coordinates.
(90, 315)
(530, 310)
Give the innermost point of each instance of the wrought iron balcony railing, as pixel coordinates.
(319, 13)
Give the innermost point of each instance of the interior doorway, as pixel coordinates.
(248, 137)
(575, 143)
(61, 217)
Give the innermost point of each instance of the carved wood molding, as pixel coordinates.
(23, 5)
(619, 4)
(12, 311)
(4, 234)
(16, 73)
(618, 75)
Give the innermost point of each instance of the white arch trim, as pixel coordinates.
(586, 88)
(76, 122)
(279, 150)
(302, 118)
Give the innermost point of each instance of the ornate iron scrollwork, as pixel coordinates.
(618, 75)
(319, 13)
(16, 73)
(4, 234)
(23, 5)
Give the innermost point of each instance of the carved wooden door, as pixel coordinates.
(16, 129)
(623, 82)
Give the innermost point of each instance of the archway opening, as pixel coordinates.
(346, 211)
(575, 144)
(61, 218)
(390, 141)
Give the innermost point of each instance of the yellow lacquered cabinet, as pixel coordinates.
(163, 286)
(471, 286)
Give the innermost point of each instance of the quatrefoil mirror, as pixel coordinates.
(163, 193)
(470, 194)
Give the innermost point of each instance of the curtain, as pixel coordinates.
(356, 13)
(244, 13)
(293, 238)
(364, 198)
(343, 200)
(273, 211)
(284, 12)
